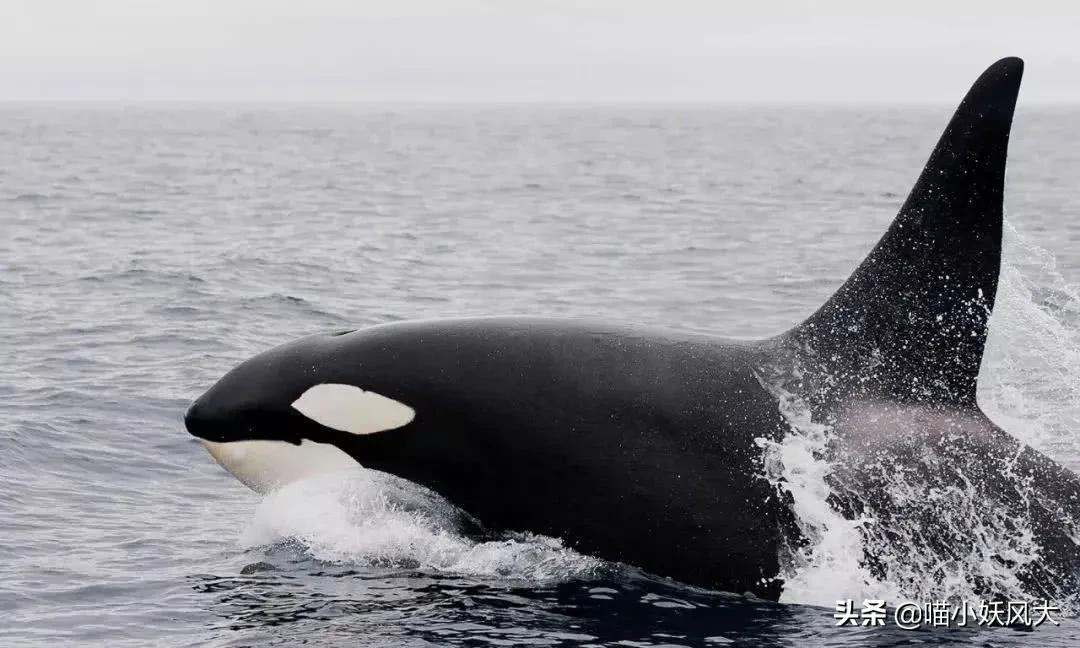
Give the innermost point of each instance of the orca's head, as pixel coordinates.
(287, 413)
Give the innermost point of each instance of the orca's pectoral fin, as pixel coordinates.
(910, 323)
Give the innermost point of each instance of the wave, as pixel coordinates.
(371, 519)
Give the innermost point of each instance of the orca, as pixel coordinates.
(647, 446)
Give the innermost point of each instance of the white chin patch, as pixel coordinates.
(350, 409)
(264, 466)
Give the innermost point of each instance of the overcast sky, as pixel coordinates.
(517, 50)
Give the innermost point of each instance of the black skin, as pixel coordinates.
(642, 446)
(633, 445)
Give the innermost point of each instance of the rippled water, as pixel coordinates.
(146, 250)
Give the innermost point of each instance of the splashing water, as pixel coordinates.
(373, 519)
(831, 566)
(1030, 385)
(1030, 378)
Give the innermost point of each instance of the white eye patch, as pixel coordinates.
(350, 409)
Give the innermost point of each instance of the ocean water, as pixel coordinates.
(148, 249)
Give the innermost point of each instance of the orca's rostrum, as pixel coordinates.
(644, 446)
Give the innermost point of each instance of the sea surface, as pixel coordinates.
(147, 249)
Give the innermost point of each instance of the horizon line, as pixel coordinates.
(508, 102)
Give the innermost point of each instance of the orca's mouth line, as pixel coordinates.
(223, 438)
(211, 438)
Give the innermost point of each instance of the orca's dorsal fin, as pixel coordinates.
(911, 322)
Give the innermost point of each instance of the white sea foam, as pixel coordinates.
(1030, 378)
(366, 518)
